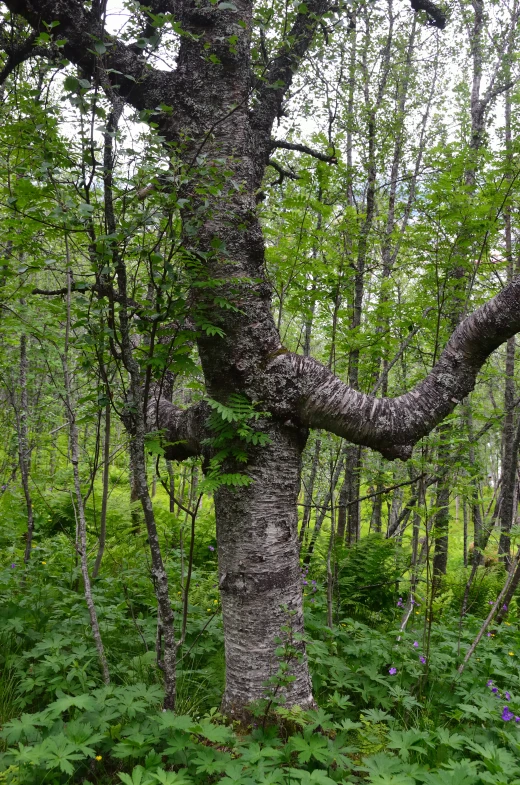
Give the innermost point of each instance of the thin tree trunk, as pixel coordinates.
(478, 525)
(457, 278)
(321, 509)
(104, 498)
(309, 491)
(23, 446)
(512, 579)
(509, 455)
(353, 468)
(171, 484)
(80, 509)
(135, 511)
(376, 523)
(342, 509)
(134, 418)
(465, 531)
(330, 551)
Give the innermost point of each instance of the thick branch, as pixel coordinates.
(129, 75)
(282, 172)
(183, 430)
(437, 17)
(102, 290)
(302, 148)
(393, 425)
(18, 53)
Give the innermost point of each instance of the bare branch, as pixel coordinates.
(303, 148)
(102, 290)
(492, 93)
(282, 172)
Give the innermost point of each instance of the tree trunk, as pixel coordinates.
(509, 454)
(135, 509)
(353, 465)
(104, 498)
(171, 486)
(309, 491)
(377, 510)
(23, 445)
(259, 571)
(465, 531)
(81, 523)
(342, 509)
(456, 280)
(442, 516)
(326, 502)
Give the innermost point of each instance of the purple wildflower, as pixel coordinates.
(489, 684)
(415, 645)
(507, 696)
(517, 719)
(400, 603)
(490, 602)
(313, 583)
(211, 548)
(507, 714)
(494, 690)
(305, 583)
(4, 487)
(13, 565)
(392, 671)
(489, 635)
(423, 660)
(504, 607)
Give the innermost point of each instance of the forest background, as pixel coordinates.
(390, 212)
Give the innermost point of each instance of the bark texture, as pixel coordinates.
(259, 571)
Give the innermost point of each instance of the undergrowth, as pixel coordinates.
(392, 708)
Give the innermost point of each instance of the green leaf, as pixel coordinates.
(171, 777)
(314, 746)
(316, 777)
(85, 702)
(217, 734)
(139, 776)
